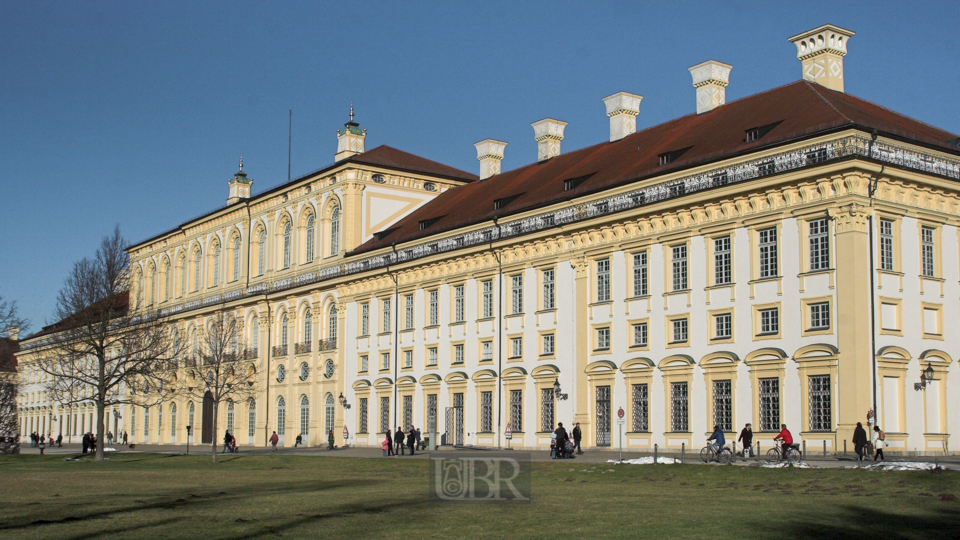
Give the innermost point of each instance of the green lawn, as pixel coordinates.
(163, 496)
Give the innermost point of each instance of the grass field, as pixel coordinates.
(167, 496)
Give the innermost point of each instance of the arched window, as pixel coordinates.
(310, 242)
(261, 252)
(286, 244)
(255, 334)
(236, 258)
(183, 276)
(335, 230)
(140, 291)
(159, 423)
(281, 415)
(328, 414)
(216, 265)
(173, 422)
(251, 418)
(304, 415)
(194, 343)
(146, 424)
(193, 427)
(332, 323)
(197, 264)
(153, 285)
(307, 326)
(283, 330)
(230, 416)
(167, 281)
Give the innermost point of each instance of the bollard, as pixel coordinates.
(683, 450)
(655, 454)
(757, 457)
(824, 448)
(804, 455)
(844, 448)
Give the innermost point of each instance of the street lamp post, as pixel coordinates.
(926, 377)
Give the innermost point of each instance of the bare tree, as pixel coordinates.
(10, 326)
(103, 350)
(220, 370)
(9, 320)
(9, 423)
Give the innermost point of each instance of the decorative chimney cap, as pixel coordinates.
(548, 133)
(826, 38)
(622, 102)
(490, 148)
(710, 71)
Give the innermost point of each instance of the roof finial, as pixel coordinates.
(351, 111)
(241, 163)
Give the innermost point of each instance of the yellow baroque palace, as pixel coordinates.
(789, 257)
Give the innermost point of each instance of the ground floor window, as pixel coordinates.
(304, 415)
(363, 415)
(431, 413)
(384, 414)
(486, 412)
(516, 410)
(407, 412)
(329, 411)
(641, 406)
(251, 417)
(723, 405)
(770, 404)
(546, 409)
(678, 407)
(819, 391)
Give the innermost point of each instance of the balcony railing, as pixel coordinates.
(280, 350)
(251, 353)
(327, 344)
(301, 348)
(189, 362)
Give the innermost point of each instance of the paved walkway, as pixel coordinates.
(589, 456)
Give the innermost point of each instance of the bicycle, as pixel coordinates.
(709, 453)
(791, 454)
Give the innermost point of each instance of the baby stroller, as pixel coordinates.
(568, 449)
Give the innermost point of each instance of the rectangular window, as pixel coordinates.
(364, 364)
(516, 410)
(640, 335)
(886, 244)
(365, 319)
(432, 356)
(679, 258)
(407, 412)
(926, 251)
(548, 344)
(548, 290)
(516, 347)
(722, 273)
(434, 308)
(769, 321)
(641, 406)
(385, 361)
(770, 404)
(546, 410)
(386, 315)
(768, 252)
(458, 307)
(516, 294)
(819, 244)
(486, 412)
(640, 274)
(603, 280)
(408, 359)
(384, 414)
(722, 326)
(458, 354)
(678, 407)
(723, 405)
(487, 299)
(408, 312)
(487, 352)
(820, 316)
(679, 331)
(431, 413)
(362, 428)
(820, 418)
(603, 338)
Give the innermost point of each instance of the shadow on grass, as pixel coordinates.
(857, 522)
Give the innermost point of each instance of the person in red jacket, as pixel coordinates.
(786, 437)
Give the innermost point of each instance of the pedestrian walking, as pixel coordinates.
(274, 439)
(60, 440)
(85, 442)
(109, 437)
(299, 440)
(878, 437)
(576, 437)
(561, 434)
(390, 444)
(420, 445)
(124, 437)
(226, 442)
(746, 439)
(42, 446)
(412, 440)
(330, 440)
(398, 442)
(385, 445)
(859, 440)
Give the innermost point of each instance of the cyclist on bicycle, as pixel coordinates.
(718, 439)
(786, 438)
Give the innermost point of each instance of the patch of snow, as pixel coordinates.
(784, 465)
(900, 466)
(109, 449)
(645, 461)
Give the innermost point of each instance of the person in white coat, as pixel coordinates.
(878, 437)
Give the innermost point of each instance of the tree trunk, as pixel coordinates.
(213, 440)
(100, 439)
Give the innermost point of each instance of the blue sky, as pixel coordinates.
(135, 113)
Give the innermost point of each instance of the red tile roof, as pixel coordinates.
(118, 307)
(792, 112)
(391, 158)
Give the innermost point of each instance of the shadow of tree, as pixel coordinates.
(857, 522)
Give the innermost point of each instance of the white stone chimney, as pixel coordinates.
(489, 152)
(13, 332)
(622, 108)
(821, 53)
(710, 79)
(548, 133)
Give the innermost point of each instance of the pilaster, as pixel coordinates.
(581, 348)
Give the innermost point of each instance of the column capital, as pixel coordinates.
(851, 218)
